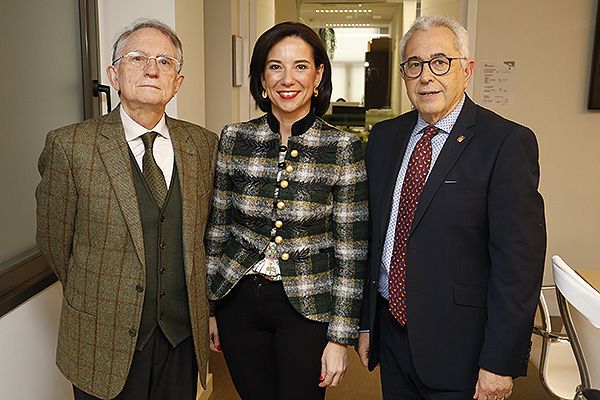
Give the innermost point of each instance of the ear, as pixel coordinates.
(469, 71)
(262, 80)
(178, 82)
(113, 76)
(319, 75)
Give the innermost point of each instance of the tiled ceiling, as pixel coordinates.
(349, 13)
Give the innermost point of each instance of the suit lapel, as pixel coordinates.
(398, 144)
(451, 151)
(186, 160)
(114, 152)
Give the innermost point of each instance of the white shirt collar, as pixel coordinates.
(445, 124)
(133, 130)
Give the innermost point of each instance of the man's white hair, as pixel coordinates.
(427, 22)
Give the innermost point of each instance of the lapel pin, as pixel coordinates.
(460, 138)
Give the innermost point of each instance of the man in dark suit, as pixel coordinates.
(457, 233)
(122, 208)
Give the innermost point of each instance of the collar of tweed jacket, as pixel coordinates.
(298, 128)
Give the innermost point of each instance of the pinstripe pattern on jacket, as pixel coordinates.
(324, 218)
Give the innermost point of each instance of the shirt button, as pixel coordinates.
(163, 246)
(139, 288)
(285, 256)
(162, 271)
(132, 332)
(294, 153)
(280, 205)
(278, 239)
(162, 219)
(162, 295)
(283, 184)
(289, 169)
(278, 224)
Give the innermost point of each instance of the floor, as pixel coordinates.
(360, 384)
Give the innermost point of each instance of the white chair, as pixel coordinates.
(579, 305)
(551, 353)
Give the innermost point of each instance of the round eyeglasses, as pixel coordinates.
(139, 60)
(438, 65)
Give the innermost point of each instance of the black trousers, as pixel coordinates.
(159, 372)
(399, 379)
(272, 352)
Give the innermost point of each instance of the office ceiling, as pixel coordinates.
(348, 13)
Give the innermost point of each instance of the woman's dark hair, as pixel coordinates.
(265, 43)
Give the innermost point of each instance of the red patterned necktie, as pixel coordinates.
(414, 180)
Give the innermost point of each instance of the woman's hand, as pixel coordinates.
(333, 364)
(215, 343)
(363, 348)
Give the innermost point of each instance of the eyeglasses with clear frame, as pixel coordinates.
(140, 60)
(437, 65)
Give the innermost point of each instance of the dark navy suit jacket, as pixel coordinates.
(475, 254)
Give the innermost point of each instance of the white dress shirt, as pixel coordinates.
(445, 126)
(162, 149)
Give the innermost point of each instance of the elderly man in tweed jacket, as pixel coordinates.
(134, 321)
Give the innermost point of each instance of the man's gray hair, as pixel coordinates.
(427, 22)
(147, 23)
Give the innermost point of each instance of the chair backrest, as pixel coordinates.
(579, 304)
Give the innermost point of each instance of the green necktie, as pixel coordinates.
(152, 172)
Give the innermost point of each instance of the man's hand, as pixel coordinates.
(333, 364)
(363, 348)
(492, 387)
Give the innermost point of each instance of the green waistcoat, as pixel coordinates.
(165, 298)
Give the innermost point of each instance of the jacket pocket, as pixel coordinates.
(473, 296)
(78, 331)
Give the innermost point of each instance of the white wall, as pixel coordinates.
(265, 17)
(248, 19)
(348, 71)
(444, 7)
(348, 80)
(286, 10)
(28, 335)
(189, 23)
(217, 43)
(551, 42)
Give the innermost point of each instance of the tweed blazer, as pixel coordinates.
(324, 214)
(89, 230)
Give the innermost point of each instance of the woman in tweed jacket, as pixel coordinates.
(287, 239)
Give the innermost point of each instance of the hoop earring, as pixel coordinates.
(316, 91)
(264, 94)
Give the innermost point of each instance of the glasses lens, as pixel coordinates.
(439, 65)
(136, 59)
(412, 69)
(166, 63)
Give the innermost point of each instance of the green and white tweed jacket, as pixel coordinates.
(321, 216)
